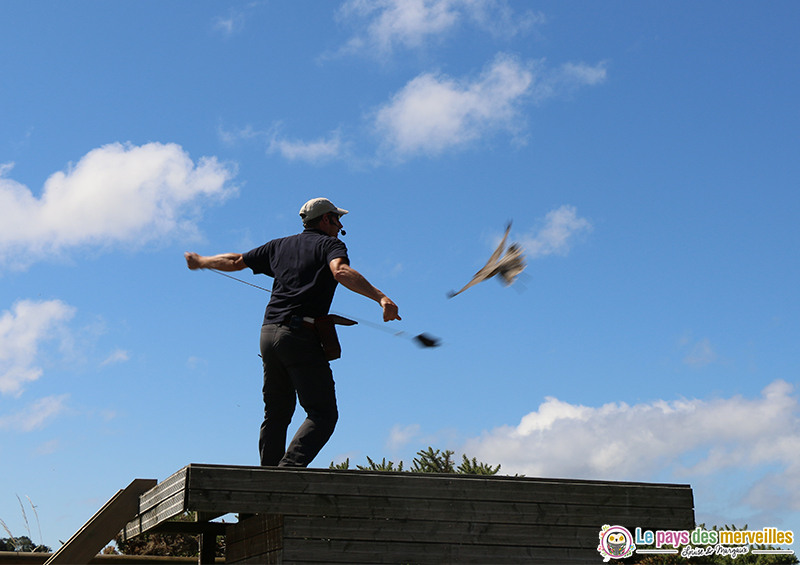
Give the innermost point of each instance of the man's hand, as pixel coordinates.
(389, 310)
(193, 260)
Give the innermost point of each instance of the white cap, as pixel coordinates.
(316, 207)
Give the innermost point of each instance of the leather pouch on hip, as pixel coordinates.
(326, 330)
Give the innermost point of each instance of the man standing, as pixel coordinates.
(306, 267)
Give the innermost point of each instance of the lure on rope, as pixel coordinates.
(421, 340)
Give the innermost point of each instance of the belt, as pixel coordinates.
(301, 322)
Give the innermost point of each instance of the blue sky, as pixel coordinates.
(648, 155)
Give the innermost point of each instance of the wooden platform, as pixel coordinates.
(336, 516)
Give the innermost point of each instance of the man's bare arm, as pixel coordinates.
(223, 262)
(355, 281)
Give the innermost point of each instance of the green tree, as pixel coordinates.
(22, 543)
(427, 461)
(172, 545)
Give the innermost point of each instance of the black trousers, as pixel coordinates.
(295, 368)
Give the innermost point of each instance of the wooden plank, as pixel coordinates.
(335, 551)
(162, 502)
(220, 469)
(170, 486)
(161, 512)
(103, 526)
(480, 533)
(405, 485)
(432, 509)
(247, 489)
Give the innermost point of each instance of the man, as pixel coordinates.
(306, 267)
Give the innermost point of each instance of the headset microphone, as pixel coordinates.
(343, 232)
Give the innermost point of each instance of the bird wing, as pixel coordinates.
(490, 268)
(499, 250)
(475, 280)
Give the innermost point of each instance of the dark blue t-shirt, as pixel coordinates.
(300, 265)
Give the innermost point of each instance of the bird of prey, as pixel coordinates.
(509, 266)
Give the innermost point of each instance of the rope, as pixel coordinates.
(423, 339)
(241, 281)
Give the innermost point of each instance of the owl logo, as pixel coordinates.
(616, 542)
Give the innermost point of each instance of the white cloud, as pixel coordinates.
(22, 328)
(36, 415)
(117, 356)
(398, 22)
(561, 227)
(114, 194)
(433, 113)
(386, 25)
(685, 438)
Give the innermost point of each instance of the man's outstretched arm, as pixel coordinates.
(355, 281)
(223, 262)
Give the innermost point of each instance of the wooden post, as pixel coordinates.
(208, 548)
(207, 539)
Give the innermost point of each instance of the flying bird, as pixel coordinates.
(509, 266)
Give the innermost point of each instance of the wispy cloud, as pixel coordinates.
(683, 438)
(230, 24)
(231, 136)
(400, 436)
(701, 354)
(316, 151)
(560, 229)
(35, 416)
(383, 26)
(697, 353)
(234, 22)
(22, 329)
(197, 362)
(117, 356)
(114, 194)
(227, 25)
